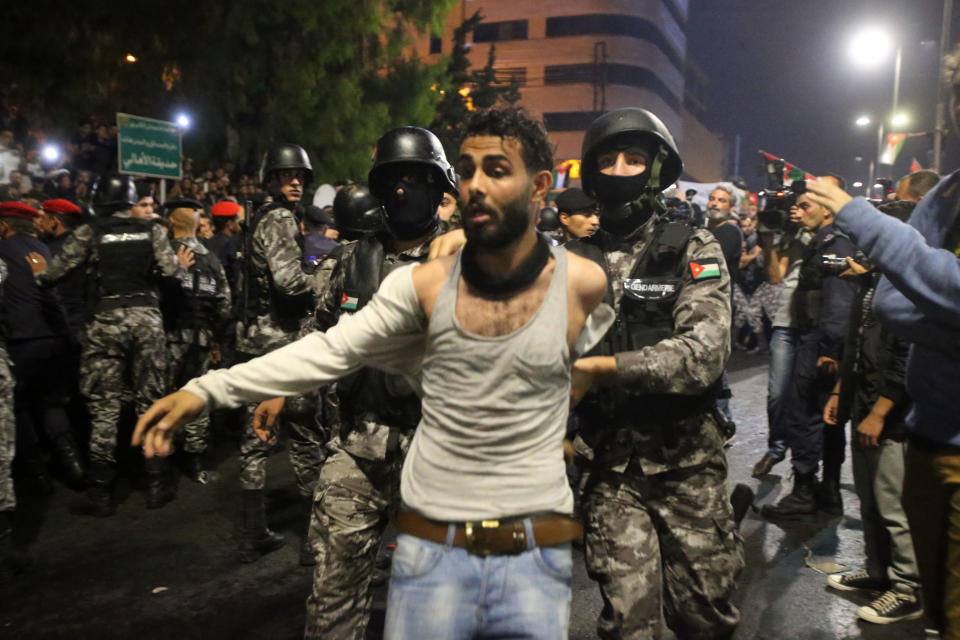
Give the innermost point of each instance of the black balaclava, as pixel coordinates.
(414, 213)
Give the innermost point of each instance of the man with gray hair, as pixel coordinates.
(723, 225)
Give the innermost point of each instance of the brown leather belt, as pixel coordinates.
(485, 537)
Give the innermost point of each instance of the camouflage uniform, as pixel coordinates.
(123, 343)
(659, 528)
(188, 348)
(358, 484)
(8, 432)
(278, 279)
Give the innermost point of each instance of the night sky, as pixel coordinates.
(781, 77)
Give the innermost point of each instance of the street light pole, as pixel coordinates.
(940, 121)
(897, 64)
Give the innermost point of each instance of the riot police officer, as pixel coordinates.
(376, 413)
(660, 536)
(196, 315)
(278, 307)
(124, 338)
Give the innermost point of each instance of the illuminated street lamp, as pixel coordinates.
(863, 121)
(183, 121)
(869, 47)
(899, 120)
(51, 153)
(130, 58)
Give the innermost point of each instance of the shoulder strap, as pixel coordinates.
(363, 270)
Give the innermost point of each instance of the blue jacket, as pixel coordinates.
(919, 299)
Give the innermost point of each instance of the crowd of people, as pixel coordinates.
(501, 377)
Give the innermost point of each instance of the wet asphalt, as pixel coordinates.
(172, 572)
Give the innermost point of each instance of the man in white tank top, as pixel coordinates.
(488, 336)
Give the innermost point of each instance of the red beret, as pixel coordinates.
(60, 205)
(225, 209)
(19, 209)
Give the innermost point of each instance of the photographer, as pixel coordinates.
(820, 308)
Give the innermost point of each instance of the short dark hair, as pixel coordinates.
(70, 221)
(840, 181)
(514, 122)
(21, 226)
(220, 222)
(919, 182)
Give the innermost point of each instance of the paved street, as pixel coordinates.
(172, 574)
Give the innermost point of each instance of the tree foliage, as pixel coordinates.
(330, 75)
(464, 90)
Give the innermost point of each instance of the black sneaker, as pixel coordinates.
(892, 606)
(857, 581)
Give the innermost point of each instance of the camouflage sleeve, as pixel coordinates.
(163, 253)
(224, 295)
(693, 358)
(75, 252)
(278, 233)
(328, 304)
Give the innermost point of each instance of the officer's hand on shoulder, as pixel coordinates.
(447, 244)
(186, 258)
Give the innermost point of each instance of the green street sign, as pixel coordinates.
(148, 147)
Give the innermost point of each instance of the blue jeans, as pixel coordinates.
(783, 346)
(441, 592)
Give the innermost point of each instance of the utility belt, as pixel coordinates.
(125, 302)
(614, 405)
(507, 536)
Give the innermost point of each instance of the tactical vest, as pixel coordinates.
(809, 293)
(260, 297)
(388, 397)
(193, 303)
(124, 275)
(644, 318)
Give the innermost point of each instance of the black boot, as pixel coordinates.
(256, 540)
(827, 494)
(193, 467)
(70, 458)
(308, 557)
(159, 491)
(99, 483)
(741, 500)
(799, 503)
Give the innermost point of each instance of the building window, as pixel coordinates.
(614, 25)
(496, 31)
(436, 44)
(517, 75)
(619, 74)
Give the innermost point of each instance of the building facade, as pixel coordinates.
(575, 60)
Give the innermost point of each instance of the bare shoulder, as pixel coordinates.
(428, 279)
(587, 278)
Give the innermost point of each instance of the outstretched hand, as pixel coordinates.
(827, 194)
(265, 417)
(155, 428)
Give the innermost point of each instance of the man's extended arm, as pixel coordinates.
(74, 253)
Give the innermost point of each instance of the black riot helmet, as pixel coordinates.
(409, 145)
(410, 174)
(112, 193)
(356, 212)
(626, 201)
(549, 219)
(286, 156)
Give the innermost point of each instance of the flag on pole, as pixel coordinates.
(915, 166)
(892, 150)
(791, 171)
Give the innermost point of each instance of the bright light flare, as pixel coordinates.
(51, 153)
(863, 121)
(130, 58)
(870, 47)
(899, 120)
(183, 121)
(857, 184)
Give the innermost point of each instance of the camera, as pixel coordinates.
(778, 199)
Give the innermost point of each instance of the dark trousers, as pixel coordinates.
(809, 439)
(40, 397)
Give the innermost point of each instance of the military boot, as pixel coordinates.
(99, 483)
(70, 459)
(799, 503)
(308, 557)
(256, 540)
(159, 490)
(193, 468)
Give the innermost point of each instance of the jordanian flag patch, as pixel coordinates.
(705, 269)
(348, 303)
